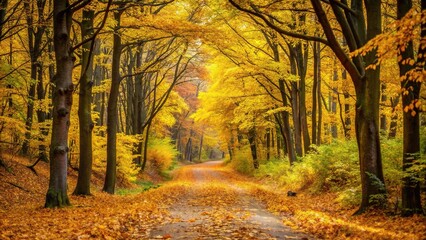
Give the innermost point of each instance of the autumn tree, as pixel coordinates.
(167, 56)
(359, 22)
(112, 111)
(86, 124)
(411, 71)
(62, 100)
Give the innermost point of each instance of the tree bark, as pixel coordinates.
(315, 91)
(367, 119)
(367, 86)
(62, 100)
(85, 108)
(35, 35)
(295, 106)
(411, 199)
(268, 144)
(253, 146)
(286, 131)
(112, 110)
(188, 148)
(394, 118)
(130, 98)
(348, 122)
(145, 148)
(333, 101)
(383, 118)
(41, 118)
(201, 147)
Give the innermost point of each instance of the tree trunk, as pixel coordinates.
(286, 131)
(315, 90)
(112, 110)
(283, 120)
(35, 35)
(411, 199)
(348, 122)
(367, 119)
(201, 147)
(302, 68)
(41, 118)
(268, 144)
(253, 148)
(295, 107)
(383, 118)
(130, 98)
(319, 124)
(62, 100)
(145, 148)
(85, 108)
(333, 101)
(139, 108)
(278, 139)
(188, 149)
(394, 118)
(98, 75)
(367, 86)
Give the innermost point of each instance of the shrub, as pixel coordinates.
(161, 154)
(334, 167)
(275, 168)
(350, 197)
(331, 167)
(392, 163)
(242, 160)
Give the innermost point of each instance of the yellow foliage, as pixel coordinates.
(126, 169)
(161, 153)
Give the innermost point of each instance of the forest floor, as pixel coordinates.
(203, 201)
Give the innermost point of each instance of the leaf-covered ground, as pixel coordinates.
(216, 206)
(205, 201)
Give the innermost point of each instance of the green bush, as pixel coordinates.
(334, 167)
(423, 138)
(392, 163)
(331, 167)
(350, 197)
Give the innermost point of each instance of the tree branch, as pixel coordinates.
(278, 29)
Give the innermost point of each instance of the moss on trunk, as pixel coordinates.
(56, 199)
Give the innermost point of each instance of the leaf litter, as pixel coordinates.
(204, 201)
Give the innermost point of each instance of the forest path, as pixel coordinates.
(217, 206)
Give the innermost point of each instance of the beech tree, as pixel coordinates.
(411, 69)
(36, 30)
(112, 111)
(86, 82)
(62, 101)
(359, 22)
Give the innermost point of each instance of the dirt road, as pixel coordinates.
(217, 206)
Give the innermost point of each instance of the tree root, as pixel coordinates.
(17, 186)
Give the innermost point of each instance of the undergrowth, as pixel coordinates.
(334, 168)
(242, 161)
(141, 186)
